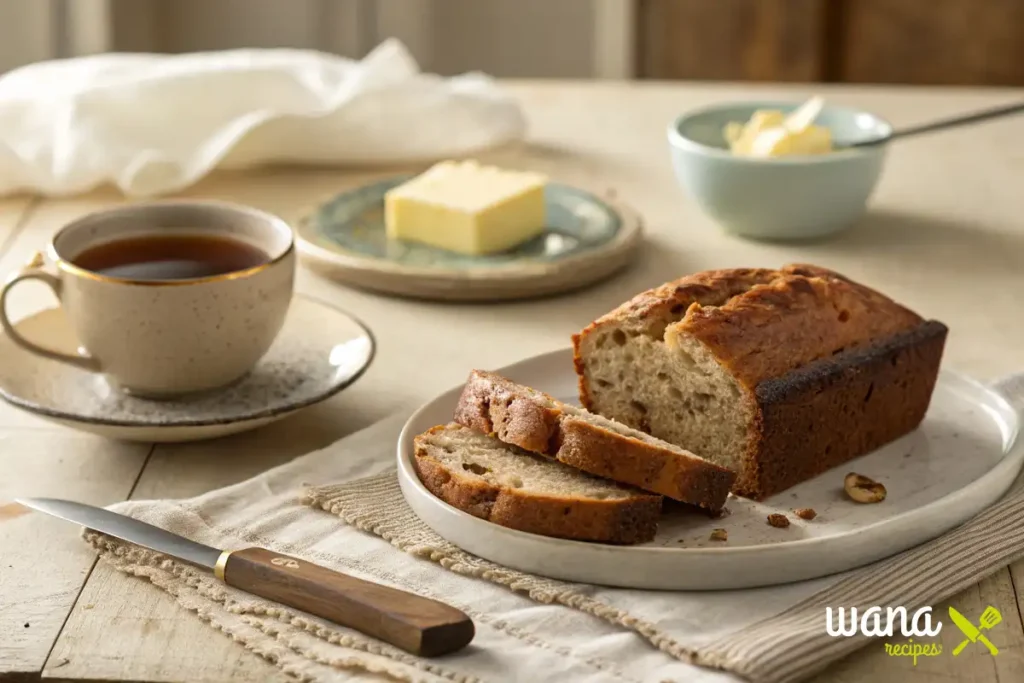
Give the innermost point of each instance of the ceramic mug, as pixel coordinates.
(165, 338)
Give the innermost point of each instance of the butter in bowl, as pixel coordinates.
(773, 171)
(773, 133)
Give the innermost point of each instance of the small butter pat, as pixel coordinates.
(769, 133)
(467, 208)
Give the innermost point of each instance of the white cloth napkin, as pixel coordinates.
(153, 124)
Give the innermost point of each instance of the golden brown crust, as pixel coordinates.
(760, 323)
(657, 307)
(494, 405)
(491, 404)
(620, 521)
(795, 319)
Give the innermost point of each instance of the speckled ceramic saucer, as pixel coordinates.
(587, 239)
(319, 352)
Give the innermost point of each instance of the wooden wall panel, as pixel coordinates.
(936, 42)
(749, 40)
(28, 34)
(515, 38)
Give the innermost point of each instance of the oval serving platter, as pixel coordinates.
(587, 238)
(963, 457)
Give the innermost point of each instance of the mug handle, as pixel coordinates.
(34, 271)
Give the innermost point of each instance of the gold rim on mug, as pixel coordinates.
(70, 268)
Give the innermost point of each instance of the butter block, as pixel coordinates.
(467, 208)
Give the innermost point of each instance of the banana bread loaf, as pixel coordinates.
(777, 375)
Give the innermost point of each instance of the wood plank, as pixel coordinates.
(973, 665)
(955, 42)
(41, 221)
(126, 630)
(134, 631)
(734, 40)
(1016, 571)
(43, 564)
(13, 210)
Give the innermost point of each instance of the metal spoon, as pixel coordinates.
(954, 122)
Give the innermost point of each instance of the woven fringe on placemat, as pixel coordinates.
(290, 640)
(376, 505)
(782, 649)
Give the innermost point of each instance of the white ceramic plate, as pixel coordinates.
(963, 458)
(319, 351)
(588, 238)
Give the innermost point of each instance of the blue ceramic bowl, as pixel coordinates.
(785, 198)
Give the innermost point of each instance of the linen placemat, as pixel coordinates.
(528, 627)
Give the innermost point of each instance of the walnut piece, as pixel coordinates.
(719, 535)
(778, 521)
(862, 489)
(805, 513)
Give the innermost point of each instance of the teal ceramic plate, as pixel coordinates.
(587, 239)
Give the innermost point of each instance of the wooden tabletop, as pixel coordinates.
(945, 236)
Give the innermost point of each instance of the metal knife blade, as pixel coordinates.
(127, 529)
(964, 624)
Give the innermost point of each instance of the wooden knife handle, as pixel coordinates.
(422, 626)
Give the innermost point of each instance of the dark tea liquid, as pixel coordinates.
(170, 257)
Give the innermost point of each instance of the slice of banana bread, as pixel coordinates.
(514, 488)
(539, 423)
(776, 374)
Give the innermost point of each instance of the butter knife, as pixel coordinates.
(419, 625)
